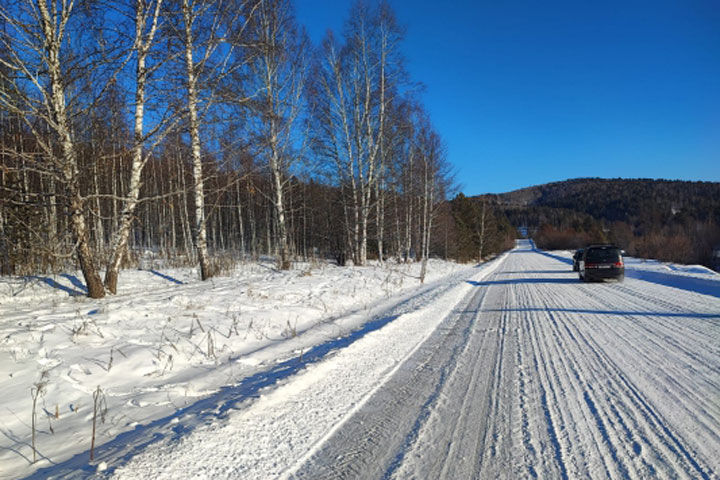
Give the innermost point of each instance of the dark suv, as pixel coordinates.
(600, 262)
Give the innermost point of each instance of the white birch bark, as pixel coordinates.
(200, 224)
(53, 29)
(425, 234)
(282, 79)
(142, 45)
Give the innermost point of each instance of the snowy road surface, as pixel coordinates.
(518, 371)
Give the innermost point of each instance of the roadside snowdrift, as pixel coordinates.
(165, 341)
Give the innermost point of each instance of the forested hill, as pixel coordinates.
(623, 199)
(665, 219)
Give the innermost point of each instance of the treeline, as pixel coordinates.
(211, 130)
(481, 228)
(666, 220)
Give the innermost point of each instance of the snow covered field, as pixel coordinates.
(513, 369)
(166, 341)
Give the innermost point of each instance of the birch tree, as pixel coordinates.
(47, 68)
(279, 71)
(191, 11)
(436, 178)
(208, 32)
(351, 99)
(147, 16)
(391, 76)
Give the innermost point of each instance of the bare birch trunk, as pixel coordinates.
(241, 225)
(53, 35)
(380, 215)
(398, 235)
(272, 16)
(425, 237)
(97, 214)
(184, 211)
(252, 223)
(280, 212)
(6, 268)
(269, 250)
(120, 239)
(52, 213)
(200, 225)
(275, 162)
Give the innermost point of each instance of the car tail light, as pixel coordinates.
(619, 264)
(590, 265)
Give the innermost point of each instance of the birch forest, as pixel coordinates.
(207, 132)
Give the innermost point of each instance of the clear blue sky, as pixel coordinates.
(526, 92)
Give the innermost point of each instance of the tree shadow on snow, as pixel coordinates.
(619, 313)
(59, 286)
(705, 286)
(118, 451)
(516, 281)
(567, 261)
(167, 277)
(17, 444)
(76, 282)
(549, 272)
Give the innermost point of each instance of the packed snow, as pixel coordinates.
(512, 368)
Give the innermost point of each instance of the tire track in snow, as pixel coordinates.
(548, 387)
(572, 388)
(556, 391)
(373, 442)
(666, 327)
(499, 434)
(585, 372)
(602, 435)
(574, 412)
(480, 402)
(658, 348)
(644, 409)
(523, 406)
(577, 412)
(676, 389)
(652, 418)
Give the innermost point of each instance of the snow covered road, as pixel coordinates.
(567, 380)
(518, 373)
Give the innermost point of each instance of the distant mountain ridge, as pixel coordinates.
(627, 200)
(670, 220)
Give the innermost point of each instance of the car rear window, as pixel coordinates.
(603, 255)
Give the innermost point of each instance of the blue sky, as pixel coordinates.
(526, 92)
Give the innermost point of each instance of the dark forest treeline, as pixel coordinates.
(481, 228)
(208, 131)
(667, 220)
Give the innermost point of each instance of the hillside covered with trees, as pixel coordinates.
(663, 219)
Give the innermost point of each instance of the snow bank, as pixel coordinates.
(165, 341)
